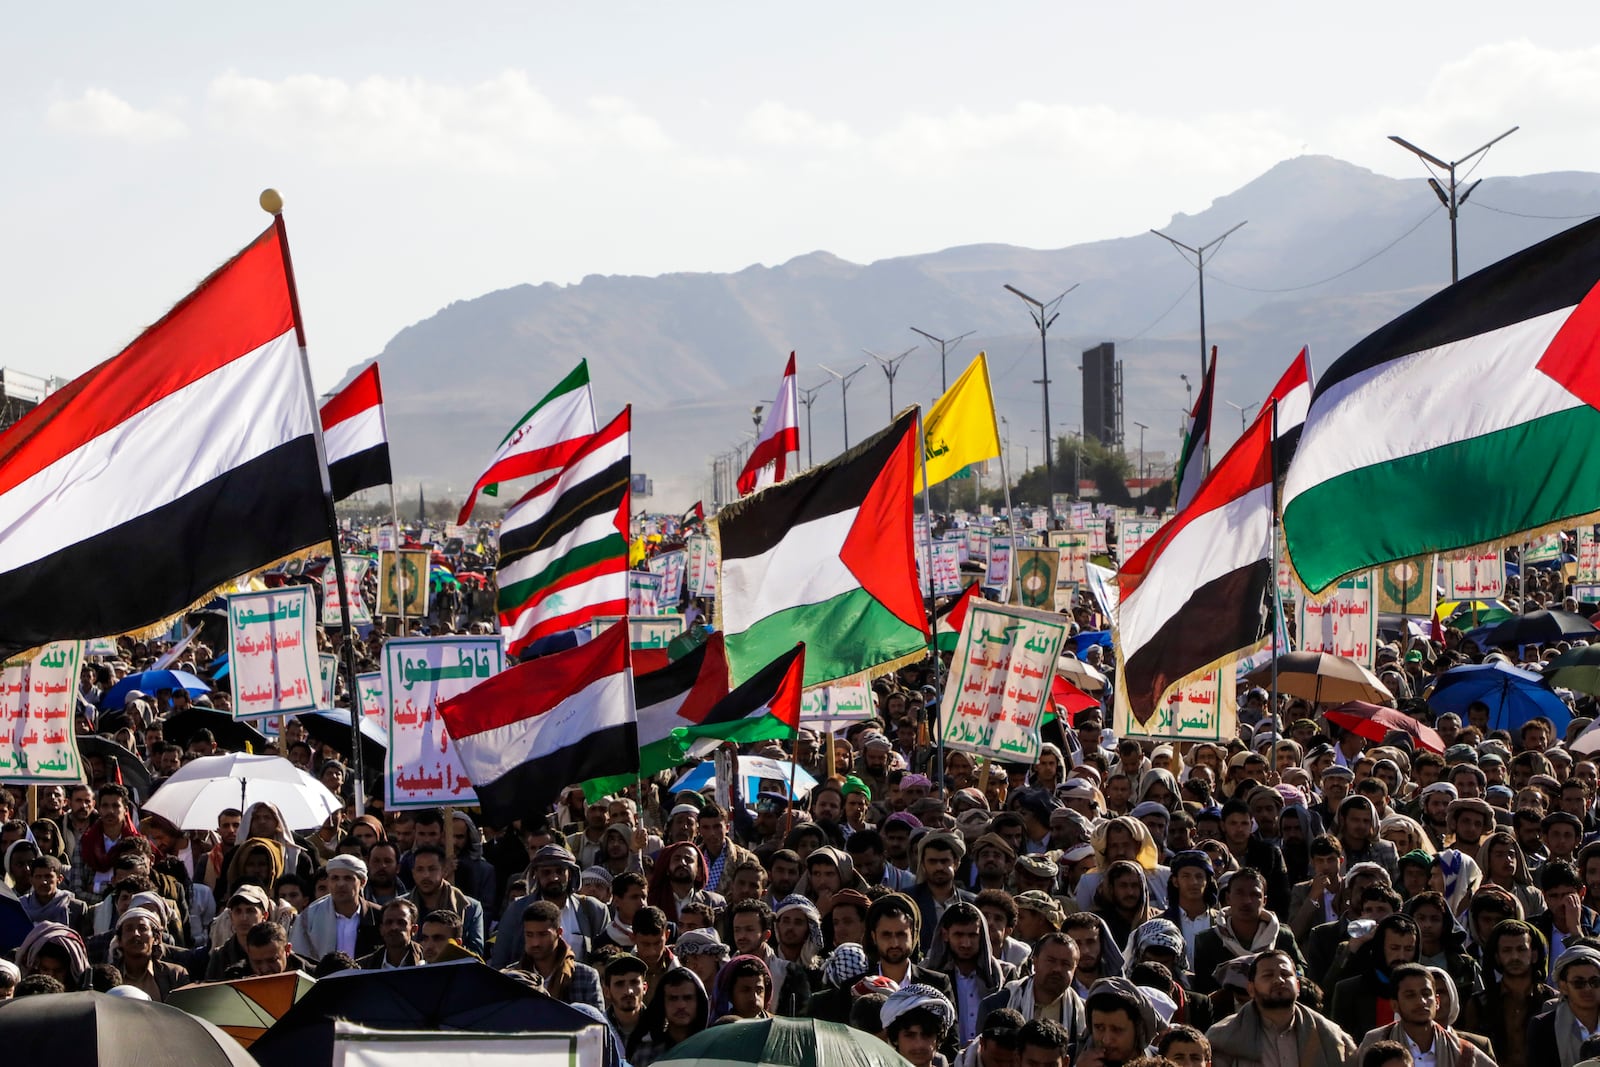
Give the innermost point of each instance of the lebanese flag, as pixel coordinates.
(356, 437)
(1196, 596)
(523, 734)
(184, 461)
(780, 435)
(1292, 394)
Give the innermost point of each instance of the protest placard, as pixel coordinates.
(1345, 624)
(1060, 503)
(328, 672)
(1588, 556)
(1036, 576)
(1081, 517)
(355, 572)
(644, 592)
(272, 645)
(671, 566)
(38, 699)
(1473, 573)
(1132, 534)
(947, 567)
(646, 631)
(1543, 549)
(978, 543)
(844, 702)
(1203, 710)
(1405, 587)
(403, 579)
(369, 689)
(998, 572)
(419, 673)
(702, 566)
(1000, 679)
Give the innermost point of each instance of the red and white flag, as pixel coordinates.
(182, 462)
(1293, 397)
(356, 436)
(780, 434)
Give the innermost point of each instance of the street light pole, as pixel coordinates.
(1451, 200)
(809, 397)
(1142, 429)
(1200, 265)
(1043, 315)
(944, 375)
(1243, 413)
(891, 367)
(844, 395)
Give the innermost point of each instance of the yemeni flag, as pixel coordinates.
(543, 440)
(1196, 596)
(526, 732)
(1292, 394)
(184, 461)
(826, 558)
(1196, 437)
(1468, 419)
(765, 708)
(564, 546)
(356, 437)
(948, 622)
(675, 697)
(780, 435)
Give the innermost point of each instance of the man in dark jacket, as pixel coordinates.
(1365, 1001)
(938, 856)
(893, 940)
(1504, 1009)
(1553, 1036)
(583, 918)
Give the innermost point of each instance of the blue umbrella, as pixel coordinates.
(152, 682)
(1514, 696)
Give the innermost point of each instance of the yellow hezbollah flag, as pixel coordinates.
(960, 427)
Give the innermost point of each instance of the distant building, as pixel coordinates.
(1102, 395)
(20, 393)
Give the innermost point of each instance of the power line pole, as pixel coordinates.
(944, 374)
(1043, 315)
(809, 397)
(1452, 200)
(1142, 429)
(1199, 263)
(1244, 413)
(891, 367)
(844, 395)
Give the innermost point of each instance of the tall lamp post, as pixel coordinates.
(1199, 262)
(944, 374)
(1142, 429)
(844, 395)
(809, 397)
(1043, 315)
(1454, 198)
(1244, 413)
(891, 367)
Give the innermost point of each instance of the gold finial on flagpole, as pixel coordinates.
(271, 202)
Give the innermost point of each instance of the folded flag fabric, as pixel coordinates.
(959, 430)
(543, 440)
(1197, 438)
(780, 435)
(826, 558)
(184, 461)
(526, 732)
(949, 620)
(356, 437)
(1292, 394)
(1471, 418)
(1068, 700)
(564, 546)
(765, 708)
(1195, 596)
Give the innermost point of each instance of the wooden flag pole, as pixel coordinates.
(272, 204)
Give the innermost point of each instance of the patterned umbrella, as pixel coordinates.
(99, 1030)
(243, 1008)
(783, 1042)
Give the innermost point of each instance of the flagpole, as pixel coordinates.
(1272, 450)
(399, 571)
(272, 204)
(933, 623)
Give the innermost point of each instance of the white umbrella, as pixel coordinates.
(1588, 742)
(1080, 674)
(194, 797)
(754, 770)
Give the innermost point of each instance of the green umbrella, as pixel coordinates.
(783, 1043)
(1577, 669)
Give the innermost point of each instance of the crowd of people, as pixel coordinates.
(1296, 894)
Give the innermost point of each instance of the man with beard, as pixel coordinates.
(583, 918)
(1122, 899)
(1555, 1035)
(1503, 1010)
(1469, 820)
(1434, 812)
(1047, 993)
(938, 854)
(383, 873)
(1244, 929)
(795, 964)
(867, 850)
(893, 938)
(1415, 1002)
(1273, 1030)
(783, 874)
(1367, 999)
(1098, 956)
(1122, 1024)
(434, 892)
(679, 1010)
(872, 766)
(963, 955)
(993, 860)
(679, 878)
(398, 928)
(1250, 850)
(1357, 827)
(721, 854)
(626, 993)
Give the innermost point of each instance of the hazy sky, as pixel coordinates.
(429, 152)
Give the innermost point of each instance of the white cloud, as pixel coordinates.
(98, 113)
(781, 126)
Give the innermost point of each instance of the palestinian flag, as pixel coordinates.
(826, 558)
(1468, 419)
(948, 622)
(765, 708)
(1196, 438)
(524, 733)
(564, 547)
(695, 516)
(1067, 700)
(187, 459)
(543, 440)
(1196, 596)
(356, 437)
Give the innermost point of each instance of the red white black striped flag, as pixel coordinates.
(356, 436)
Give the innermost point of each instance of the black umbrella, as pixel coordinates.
(135, 775)
(99, 1030)
(1541, 627)
(331, 726)
(441, 996)
(233, 734)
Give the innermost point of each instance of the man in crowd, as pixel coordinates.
(342, 921)
(546, 954)
(398, 928)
